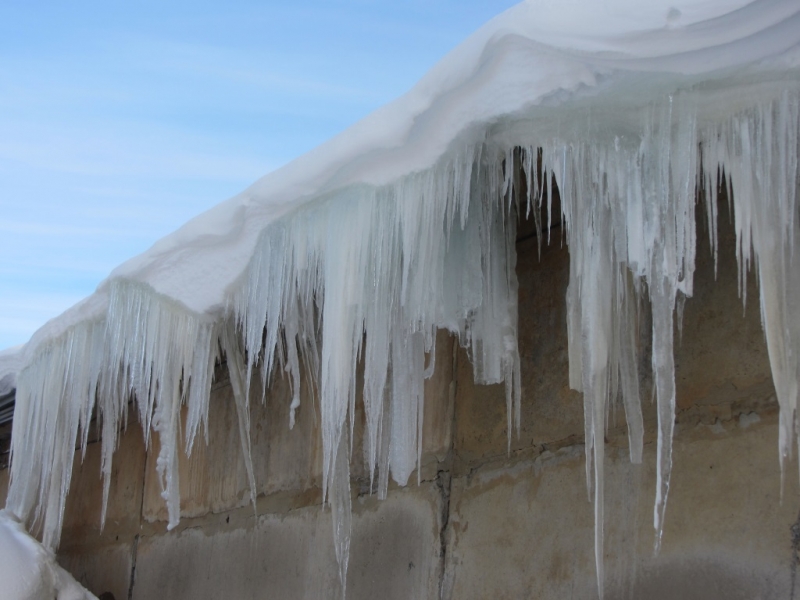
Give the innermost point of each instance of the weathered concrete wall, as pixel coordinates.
(520, 526)
(3, 486)
(525, 529)
(484, 523)
(290, 554)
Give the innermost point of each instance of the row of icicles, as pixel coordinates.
(366, 276)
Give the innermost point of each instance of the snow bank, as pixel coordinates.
(29, 571)
(405, 223)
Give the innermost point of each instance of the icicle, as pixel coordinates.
(629, 374)
(292, 367)
(759, 152)
(236, 368)
(341, 510)
(407, 404)
(202, 373)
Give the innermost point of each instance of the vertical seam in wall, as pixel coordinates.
(135, 548)
(794, 531)
(444, 482)
(133, 566)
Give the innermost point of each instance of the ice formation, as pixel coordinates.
(406, 223)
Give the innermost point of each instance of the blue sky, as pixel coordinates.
(120, 121)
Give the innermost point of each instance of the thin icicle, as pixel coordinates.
(341, 510)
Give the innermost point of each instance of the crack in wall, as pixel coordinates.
(794, 530)
(444, 485)
(444, 482)
(135, 545)
(134, 551)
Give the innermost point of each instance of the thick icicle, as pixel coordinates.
(341, 510)
(229, 341)
(625, 328)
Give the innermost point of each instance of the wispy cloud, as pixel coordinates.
(22, 313)
(64, 230)
(266, 71)
(122, 149)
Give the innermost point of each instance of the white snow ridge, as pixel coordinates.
(406, 222)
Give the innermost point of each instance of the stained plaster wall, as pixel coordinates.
(483, 522)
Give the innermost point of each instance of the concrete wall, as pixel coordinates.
(483, 523)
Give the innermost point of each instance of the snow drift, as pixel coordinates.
(29, 571)
(405, 223)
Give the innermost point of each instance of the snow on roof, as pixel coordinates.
(533, 53)
(397, 226)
